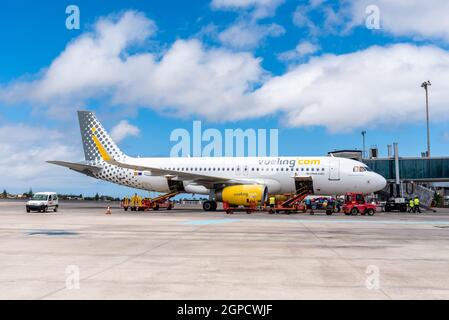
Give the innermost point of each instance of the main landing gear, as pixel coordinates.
(209, 205)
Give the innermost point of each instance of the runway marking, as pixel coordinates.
(52, 233)
(212, 221)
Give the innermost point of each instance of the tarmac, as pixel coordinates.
(82, 253)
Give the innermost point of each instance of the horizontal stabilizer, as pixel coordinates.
(80, 167)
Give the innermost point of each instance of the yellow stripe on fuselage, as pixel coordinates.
(101, 149)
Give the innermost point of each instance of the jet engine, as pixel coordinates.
(243, 195)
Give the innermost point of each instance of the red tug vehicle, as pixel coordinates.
(355, 203)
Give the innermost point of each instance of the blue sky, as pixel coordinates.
(311, 69)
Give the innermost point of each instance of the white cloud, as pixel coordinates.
(248, 36)
(24, 151)
(186, 79)
(323, 17)
(122, 130)
(247, 32)
(301, 20)
(304, 48)
(261, 8)
(366, 88)
(421, 20)
(416, 18)
(371, 87)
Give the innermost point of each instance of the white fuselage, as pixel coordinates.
(330, 175)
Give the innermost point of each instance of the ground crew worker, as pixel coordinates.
(139, 201)
(307, 203)
(272, 202)
(417, 204)
(134, 200)
(411, 206)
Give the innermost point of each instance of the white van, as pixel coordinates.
(42, 201)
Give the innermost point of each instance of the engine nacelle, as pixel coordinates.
(243, 195)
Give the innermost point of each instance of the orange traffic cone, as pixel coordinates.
(108, 210)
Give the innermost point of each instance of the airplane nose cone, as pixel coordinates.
(381, 182)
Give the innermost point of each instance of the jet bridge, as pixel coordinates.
(435, 169)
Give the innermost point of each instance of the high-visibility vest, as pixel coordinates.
(411, 203)
(416, 202)
(272, 200)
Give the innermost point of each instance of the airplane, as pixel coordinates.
(235, 180)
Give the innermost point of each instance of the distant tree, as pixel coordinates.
(81, 196)
(30, 193)
(97, 197)
(4, 193)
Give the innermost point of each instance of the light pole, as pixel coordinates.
(363, 139)
(425, 85)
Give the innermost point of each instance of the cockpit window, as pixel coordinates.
(361, 169)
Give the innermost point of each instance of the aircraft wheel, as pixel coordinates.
(208, 206)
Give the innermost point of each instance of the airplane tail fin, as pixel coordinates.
(97, 143)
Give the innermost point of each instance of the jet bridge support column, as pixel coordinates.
(399, 191)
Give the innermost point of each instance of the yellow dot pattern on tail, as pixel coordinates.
(96, 141)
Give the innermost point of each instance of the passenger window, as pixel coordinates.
(49, 198)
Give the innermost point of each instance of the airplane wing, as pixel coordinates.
(203, 179)
(206, 180)
(78, 166)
